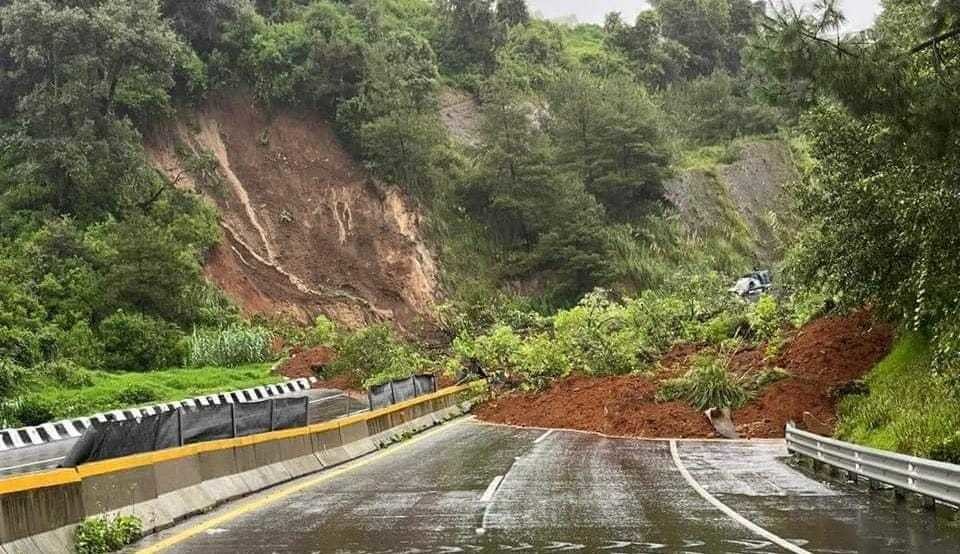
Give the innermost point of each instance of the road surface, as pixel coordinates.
(325, 404)
(471, 487)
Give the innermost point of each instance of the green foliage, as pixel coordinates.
(765, 318)
(32, 411)
(909, 409)
(533, 361)
(11, 375)
(104, 391)
(880, 119)
(596, 336)
(608, 132)
(469, 34)
(715, 108)
(101, 535)
(707, 385)
(228, 346)
(371, 355)
(314, 60)
(136, 342)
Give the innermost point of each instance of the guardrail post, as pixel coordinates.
(233, 419)
(306, 410)
(393, 394)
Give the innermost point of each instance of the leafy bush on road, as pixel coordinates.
(228, 346)
(708, 385)
(101, 535)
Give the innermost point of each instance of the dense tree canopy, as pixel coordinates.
(881, 114)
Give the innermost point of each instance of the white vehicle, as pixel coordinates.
(752, 285)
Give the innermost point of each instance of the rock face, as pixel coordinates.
(306, 230)
(746, 196)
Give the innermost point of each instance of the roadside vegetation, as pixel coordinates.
(102, 534)
(560, 245)
(908, 408)
(63, 390)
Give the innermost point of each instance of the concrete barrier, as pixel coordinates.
(40, 512)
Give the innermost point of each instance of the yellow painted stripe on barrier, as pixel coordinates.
(34, 481)
(272, 498)
(151, 458)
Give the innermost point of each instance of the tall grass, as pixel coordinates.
(228, 346)
(909, 409)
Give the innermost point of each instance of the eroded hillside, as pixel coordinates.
(745, 199)
(306, 230)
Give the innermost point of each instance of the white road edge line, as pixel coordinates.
(491, 489)
(38, 462)
(543, 437)
(753, 527)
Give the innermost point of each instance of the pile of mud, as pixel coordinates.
(821, 357)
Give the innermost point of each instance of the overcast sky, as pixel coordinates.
(860, 13)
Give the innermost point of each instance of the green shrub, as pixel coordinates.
(722, 328)
(228, 347)
(11, 377)
(81, 345)
(101, 535)
(31, 411)
(136, 342)
(323, 333)
(540, 361)
(135, 395)
(708, 385)
(948, 450)
(66, 374)
(910, 409)
(374, 356)
(596, 337)
(807, 305)
(764, 317)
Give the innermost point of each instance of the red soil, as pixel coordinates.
(620, 406)
(308, 363)
(822, 356)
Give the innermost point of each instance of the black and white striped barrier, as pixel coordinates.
(74, 428)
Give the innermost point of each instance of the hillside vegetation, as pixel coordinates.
(453, 183)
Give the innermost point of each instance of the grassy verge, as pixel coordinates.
(110, 391)
(909, 409)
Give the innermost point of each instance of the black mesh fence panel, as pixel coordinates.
(385, 395)
(253, 418)
(404, 390)
(425, 384)
(290, 413)
(106, 440)
(115, 439)
(380, 396)
(207, 423)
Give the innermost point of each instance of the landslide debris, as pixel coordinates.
(307, 230)
(820, 358)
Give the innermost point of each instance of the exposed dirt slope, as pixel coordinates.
(306, 229)
(823, 356)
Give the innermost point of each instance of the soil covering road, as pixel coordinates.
(471, 487)
(820, 358)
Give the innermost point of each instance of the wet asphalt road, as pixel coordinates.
(566, 492)
(325, 404)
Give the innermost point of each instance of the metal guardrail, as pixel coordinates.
(937, 480)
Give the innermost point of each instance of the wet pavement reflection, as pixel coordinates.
(572, 492)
